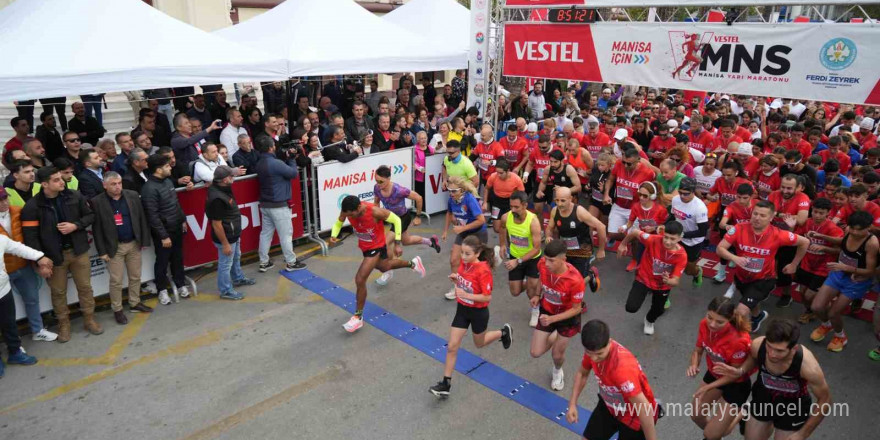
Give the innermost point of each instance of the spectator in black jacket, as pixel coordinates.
(246, 156)
(336, 149)
(357, 126)
(135, 170)
(180, 175)
(167, 225)
(91, 178)
(49, 136)
(54, 222)
(387, 137)
(120, 231)
(87, 127)
(185, 143)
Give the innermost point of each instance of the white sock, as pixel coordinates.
(840, 334)
(556, 370)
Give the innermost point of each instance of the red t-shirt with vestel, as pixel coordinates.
(798, 202)
(540, 161)
(866, 141)
(803, 146)
(656, 216)
(758, 249)
(657, 260)
(841, 157)
(701, 142)
(661, 145)
(475, 278)
(595, 144)
(514, 151)
(621, 378)
(736, 213)
(816, 262)
(767, 184)
(488, 154)
(627, 184)
(721, 144)
(727, 191)
(560, 292)
(751, 167)
(842, 216)
(370, 232)
(727, 346)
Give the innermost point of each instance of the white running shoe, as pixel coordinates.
(730, 291)
(149, 287)
(649, 327)
(164, 299)
(533, 321)
(183, 291)
(418, 267)
(450, 295)
(353, 324)
(44, 335)
(387, 276)
(558, 382)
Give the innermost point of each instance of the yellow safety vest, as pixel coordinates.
(15, 198)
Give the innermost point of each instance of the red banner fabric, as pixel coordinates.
(550, 51)
(198, 249)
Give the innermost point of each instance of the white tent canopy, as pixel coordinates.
(73, 47)
(336, 37)
(444, 22)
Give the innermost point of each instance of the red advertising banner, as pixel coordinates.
(550, 51)
(197, 246)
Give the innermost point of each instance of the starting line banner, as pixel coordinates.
(827, 62)
(336, 180)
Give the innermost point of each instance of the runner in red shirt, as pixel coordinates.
(659, 271)
(857, 196)
(660, 144)
(768, 179)
(646, 216)
(368, 222)
(790, 203)
(797, 141)
(561, 303)
(725, 136)
(833, 152)
(514, 149)
(626, 176)
(737, 212)
(756, 243)
(473, 291)
(865, 136)
(698, 138)
(539, 158)
(486, 153)
(724, 336)
(594, 140)
(814, 267)
(725, 187)
(626, 403)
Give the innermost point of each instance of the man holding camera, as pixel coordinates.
(274, 175)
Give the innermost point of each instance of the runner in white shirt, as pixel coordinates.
(706, 175)
(691, 212)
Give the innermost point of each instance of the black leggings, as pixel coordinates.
(784, 257)
(7, 323)
(637, 296)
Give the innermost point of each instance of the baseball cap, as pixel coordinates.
(672, 124)
(688, 184)
(3, 194)
(867, 124)
(745, 149)
(560, 135)
(223, 172)
(532, 127)
(620, 134)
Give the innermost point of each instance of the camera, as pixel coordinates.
(287, 148)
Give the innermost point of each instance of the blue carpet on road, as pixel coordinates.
(527, 394)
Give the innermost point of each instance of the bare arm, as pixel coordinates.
(646, 415)
(812, 372)
(575, 179)
(417, 198)
(596, 225)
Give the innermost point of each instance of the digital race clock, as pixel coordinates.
(572, 15)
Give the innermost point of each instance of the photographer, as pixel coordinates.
(337, 149)
(274, 176)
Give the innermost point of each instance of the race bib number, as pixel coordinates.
(540, 173)
(727, 199)
(624, 193)
(519, 241)
(365, 236)
(660, 267)
(467, 289)
(647, 223)
(571, 243)
(847, 260)
(613, 400)
(551, 295)
(117, 219)
(483, 164)
(597, 195)
(754, 265)
(495, 211)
